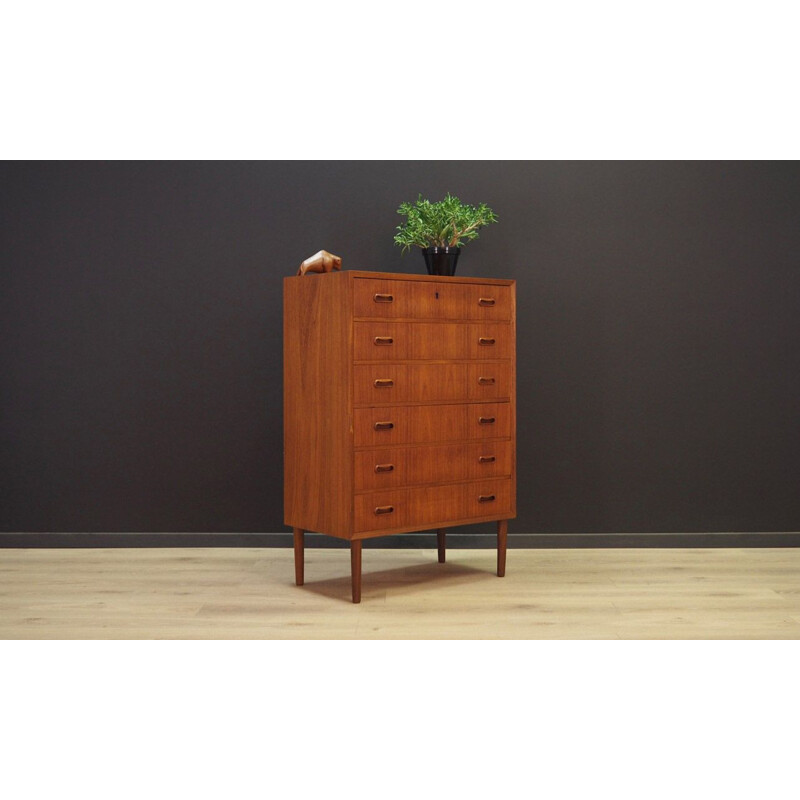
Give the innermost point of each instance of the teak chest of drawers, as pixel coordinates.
(399, 407)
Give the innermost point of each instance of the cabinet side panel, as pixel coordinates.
(318, 452)
(513, 399)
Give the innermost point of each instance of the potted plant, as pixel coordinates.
(441, 229)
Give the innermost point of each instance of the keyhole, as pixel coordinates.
(437, 295)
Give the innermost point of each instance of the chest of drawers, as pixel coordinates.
(399, 407)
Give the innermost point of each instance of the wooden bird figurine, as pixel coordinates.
(323, 261)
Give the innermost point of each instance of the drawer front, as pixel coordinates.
(379, 427)
(404, 466)
(382, 341)
(403, 383)
(434, 300)
(487, 302)
(408, 383)
(485, 498)
(380, 510)
(426, 506)
(382, 427)
(488, 380)
(430, 300)
(382, 298)
(431, 504)
(439, 340)
(489, 340)
(487, 420)
(388, 341)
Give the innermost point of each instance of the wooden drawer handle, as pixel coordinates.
(486, 301)
(383, 426)
(486, 381)
(486, 459)
(485, 342)
(383, 340)
(383, 298)
(486, 498)
(387, 509)
(486, 420)
(384, 467)
(384, 383)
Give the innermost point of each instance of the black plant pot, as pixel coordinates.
(440, 260)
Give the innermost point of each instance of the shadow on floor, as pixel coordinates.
(400, 580)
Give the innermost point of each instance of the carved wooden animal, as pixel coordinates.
(323, 261)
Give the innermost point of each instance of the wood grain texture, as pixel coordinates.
(387, 363)
(490, 340)
(450, 523)
(489, 380)
(432, 506)
(418, 424)
(422, 278)
(490, 421)
(394, 383)
(382, 298)
(249, 593)
(460, 301)
(449, 340)
(502, 546)
(427, 464)
(450, 299)
(391, 341)
(355, 570)
(382, 341)
(401, 383)
(382, 511)
(318, 445)
(299, 555)
(512, 405)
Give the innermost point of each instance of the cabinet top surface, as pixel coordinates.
(402, 276)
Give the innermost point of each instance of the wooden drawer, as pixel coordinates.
(382, 427)
(405, 466)
(429, 505)
(487, 420)
(489, 340)
(430, 300)
(378, 427)
(408, 383)
(403, 383)
(398, 341)
(382, 341)
(382, 298)
(380, 510)
(488, 380)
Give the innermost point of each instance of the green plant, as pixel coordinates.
(448, 223)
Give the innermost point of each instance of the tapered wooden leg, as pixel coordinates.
(298, 556)
(502, 541)
(440, 540)
(355, 568)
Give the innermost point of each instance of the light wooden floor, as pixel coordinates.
(249, 593)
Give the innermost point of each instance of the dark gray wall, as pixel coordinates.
(659, 344)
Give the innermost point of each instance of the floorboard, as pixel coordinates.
(247, 593)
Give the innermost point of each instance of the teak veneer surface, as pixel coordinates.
(376, 360)
(418, 424)
(430, 464)
(389, 340)
(432, 300)
(318, 463)
(403, 276)
(486, 380)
